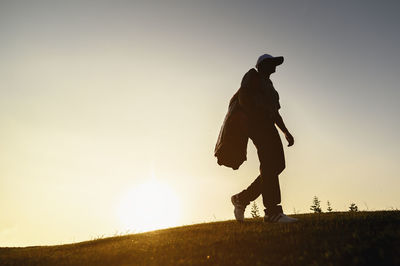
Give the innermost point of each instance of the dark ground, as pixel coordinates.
(360, 238)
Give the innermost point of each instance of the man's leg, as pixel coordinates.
(242, 199)
(251, 192)
(271, 193)
(255, 189)
(266, 184)
(270, 188)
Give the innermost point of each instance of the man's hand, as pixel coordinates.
(289, 138)
(279, 122)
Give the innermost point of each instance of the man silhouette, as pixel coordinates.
(259, 101)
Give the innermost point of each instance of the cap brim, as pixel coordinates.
(278, 60)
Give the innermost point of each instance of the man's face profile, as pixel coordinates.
(267, 67)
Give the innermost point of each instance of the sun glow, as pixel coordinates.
(149, 206)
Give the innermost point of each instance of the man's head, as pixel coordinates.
(266, 64)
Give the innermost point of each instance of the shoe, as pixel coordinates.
(279, 218)
(239, 208)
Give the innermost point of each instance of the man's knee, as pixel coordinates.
(267, 170)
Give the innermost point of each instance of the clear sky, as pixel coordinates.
(110, 110)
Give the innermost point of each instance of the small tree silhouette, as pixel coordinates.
(329, 206)
(353, 208)
(255, 213)
(316, 207)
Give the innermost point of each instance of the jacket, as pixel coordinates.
(231, 146)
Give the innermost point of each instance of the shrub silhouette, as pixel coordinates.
(353, 207)
(329, 209)
(255, 213)
(316, 207)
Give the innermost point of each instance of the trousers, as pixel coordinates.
(271, 157)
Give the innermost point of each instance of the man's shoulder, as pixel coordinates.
(251, 73)
(249, 77)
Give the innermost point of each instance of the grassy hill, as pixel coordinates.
(360, 238)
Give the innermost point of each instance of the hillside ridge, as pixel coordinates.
(355, 238)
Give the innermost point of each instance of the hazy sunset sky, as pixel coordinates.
(111, 109)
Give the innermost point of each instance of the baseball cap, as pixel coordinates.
(277, 60)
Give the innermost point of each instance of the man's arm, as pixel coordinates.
(279, 122)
